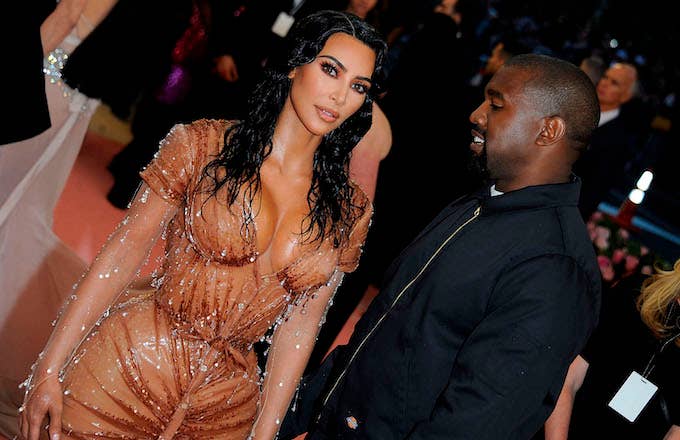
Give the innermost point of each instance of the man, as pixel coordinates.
(613, 144)
(480, 316)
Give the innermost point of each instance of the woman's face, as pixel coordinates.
(327, 91)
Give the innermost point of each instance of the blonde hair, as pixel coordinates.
(659, 293)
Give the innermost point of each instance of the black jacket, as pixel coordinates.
(477, 344)
(603, 166)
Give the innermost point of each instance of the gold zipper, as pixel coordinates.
(398, 297)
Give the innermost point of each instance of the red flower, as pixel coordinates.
(606, 267)
(618, 255)
(631, 263)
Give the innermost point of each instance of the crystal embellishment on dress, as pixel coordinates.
(54, 63)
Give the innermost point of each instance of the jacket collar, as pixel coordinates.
(531, 197)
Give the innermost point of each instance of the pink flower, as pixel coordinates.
(597, 216)
(602, 235)
(606, 267)
(623, 233)
(631, 262)
(618, 255)
(647, 270)
(644, 250)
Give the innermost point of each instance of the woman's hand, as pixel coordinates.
(43, 399)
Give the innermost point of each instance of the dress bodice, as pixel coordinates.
(212, 282)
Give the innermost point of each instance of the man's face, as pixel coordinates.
(616, 86)
(506, 126)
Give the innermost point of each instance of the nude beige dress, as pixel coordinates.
(179, 359)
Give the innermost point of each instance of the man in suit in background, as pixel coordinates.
(602, 166)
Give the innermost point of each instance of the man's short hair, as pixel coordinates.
(559, 88)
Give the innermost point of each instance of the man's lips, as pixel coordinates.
(327, 114)
(477, 144)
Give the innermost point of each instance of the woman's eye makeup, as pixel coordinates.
(361, 88)
(332, 70)
(329, 68)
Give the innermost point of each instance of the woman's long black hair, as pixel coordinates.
(248, 143)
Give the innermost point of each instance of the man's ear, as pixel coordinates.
(553, 130)
(291, 74)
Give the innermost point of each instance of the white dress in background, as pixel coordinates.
(37, 270)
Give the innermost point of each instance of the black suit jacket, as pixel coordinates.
(602, 166)
(476, 343)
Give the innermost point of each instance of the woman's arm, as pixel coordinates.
(370, 151)
(557, 425)
(112, 270)
(291, 346)
(84, 14)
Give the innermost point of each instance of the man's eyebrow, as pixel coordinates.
(494, 93)
(343, 68)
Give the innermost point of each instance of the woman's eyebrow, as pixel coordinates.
(342, 66)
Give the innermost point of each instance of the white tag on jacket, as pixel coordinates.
(283, 24)
(631, 398)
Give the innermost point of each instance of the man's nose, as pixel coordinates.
(477, 117)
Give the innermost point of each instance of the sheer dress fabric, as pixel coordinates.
(177, 361)
(37, 270)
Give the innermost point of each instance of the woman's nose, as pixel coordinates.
(339, 94)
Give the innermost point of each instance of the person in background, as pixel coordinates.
(639, 331)
(594, 67)
(502, 51)
(602, 166)
(164, 102)
(371, 11)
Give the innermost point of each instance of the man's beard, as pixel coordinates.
(477, 165)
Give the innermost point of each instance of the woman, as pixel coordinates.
(261, 223)
(646, 340)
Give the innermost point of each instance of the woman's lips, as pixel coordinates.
(327, 114)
